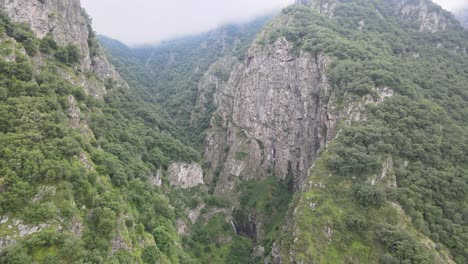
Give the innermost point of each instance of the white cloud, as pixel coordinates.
(146, 21)
(452, 4)
(149, 21)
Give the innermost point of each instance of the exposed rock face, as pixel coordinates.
(156, 178)
(184, 225)
(430, 19)
(68, 24)
(64, 19)
(323, 6)
(185, 175)
(272, 117)
(18, 229)
(10, 48)
(212, 81)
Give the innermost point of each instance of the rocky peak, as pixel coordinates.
(430, 17)
(274, 119)
(67, 22)
(63, 19)
(323, 6)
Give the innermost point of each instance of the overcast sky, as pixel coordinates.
(150, 21)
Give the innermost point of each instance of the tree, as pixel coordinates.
(3, 93)
(150, 254)
(368, 195)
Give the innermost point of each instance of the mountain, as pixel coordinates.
(333, 132)
(316, 105)
(462, 15)
(341, 135)
(174, 68)
(81, 152)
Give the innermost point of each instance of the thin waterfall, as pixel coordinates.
(234, 226)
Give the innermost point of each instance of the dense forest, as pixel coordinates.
(84, 186)
(170, 71)
(421, 131)
(85, 179)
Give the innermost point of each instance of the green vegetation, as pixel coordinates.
(267, 201)
(391, 188)
(422, 129)
(170, 71)
(215, 241)
(88, 183)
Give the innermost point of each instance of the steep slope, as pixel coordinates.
(82, 156)
(350, 113)
(67, 23)
(171, 71)
(191, 69)
(382, 189)
(323, 70)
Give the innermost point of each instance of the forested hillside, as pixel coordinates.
(392, 185)
(333, 132)
(75, 166)
(171, 71)
(388, 160)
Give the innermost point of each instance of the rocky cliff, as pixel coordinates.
(272, 117)
(68, 23)
(31, 22)
(424, 14)
(279, 109)
(274, 113)
(431, 18)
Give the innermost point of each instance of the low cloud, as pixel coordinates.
(150, 21)
(452, 5)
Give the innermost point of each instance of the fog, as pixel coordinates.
(151, 21)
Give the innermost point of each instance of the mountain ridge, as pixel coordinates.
(334, 132)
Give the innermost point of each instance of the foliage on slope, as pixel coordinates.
(353, 216)
(81, 195)
(170, 71)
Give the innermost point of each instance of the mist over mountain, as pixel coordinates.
(462, 15)
(333, 131)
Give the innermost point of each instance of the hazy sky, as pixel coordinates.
(147, 21)
(452, 4)
(150, 21)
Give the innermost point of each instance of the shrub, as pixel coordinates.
(368, 195)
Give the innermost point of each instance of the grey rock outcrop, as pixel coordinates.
(183, 175)
(10, 49)
(18, 229)
(323, 6)
(68, 24)
(272, 117)
(430, 19)
(156, 178)
(211, 82)
(63, 19)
